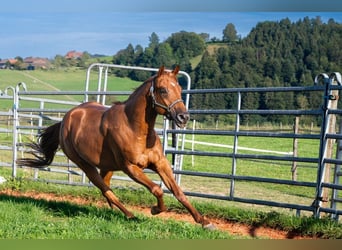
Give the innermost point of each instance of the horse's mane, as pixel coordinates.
(138, 90)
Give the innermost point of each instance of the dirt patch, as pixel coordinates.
(221, 224)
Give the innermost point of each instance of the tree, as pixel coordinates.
(82, 61)
(19, 64)
(207, 76)
(147, 57)
(205, 37)
(138, 54)
(125, 56)
(187, 44)
(273, 54)
(59, 61)
(154, 41)
(208, 68)
(163, 56)
(230, 34)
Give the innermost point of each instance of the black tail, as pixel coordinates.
(45, 149)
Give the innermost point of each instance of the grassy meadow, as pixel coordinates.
(38, 218)
(59, 80)
(43, 219)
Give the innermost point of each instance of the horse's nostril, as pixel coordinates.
(183, 117)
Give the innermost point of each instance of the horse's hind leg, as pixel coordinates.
(106, 176)
(100, 182)
(138, 175)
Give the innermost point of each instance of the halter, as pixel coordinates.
(155, 103)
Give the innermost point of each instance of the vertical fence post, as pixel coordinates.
(337, 175)
(295, 149)
(99, 84)
(105, 83)
(15, 127)
(235, 149)
(322, 78)
(14, 131)
(193, 143)
(333, 99)
(326, 145)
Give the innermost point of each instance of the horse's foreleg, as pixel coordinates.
(165, 173)
(138, 175)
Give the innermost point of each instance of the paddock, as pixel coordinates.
(227, 162)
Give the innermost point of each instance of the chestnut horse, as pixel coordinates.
(121, 137)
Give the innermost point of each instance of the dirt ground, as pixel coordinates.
(232, 228)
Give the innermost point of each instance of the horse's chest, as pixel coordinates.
(144, 159)
(138, 150)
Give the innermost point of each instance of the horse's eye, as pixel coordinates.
(163, 91)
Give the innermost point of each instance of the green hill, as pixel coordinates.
(59, 80)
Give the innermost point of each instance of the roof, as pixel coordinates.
(73, 54)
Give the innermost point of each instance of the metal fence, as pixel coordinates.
(228, 170)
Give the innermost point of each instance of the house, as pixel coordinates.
(7, 63)
(73, 55)
(32, 63)
(3, 64)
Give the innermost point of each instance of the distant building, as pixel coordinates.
(32, 63)
(3, 64)
(29, 63)
(7, 63)
(73, 55)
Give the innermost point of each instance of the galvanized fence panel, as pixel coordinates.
(229, 181)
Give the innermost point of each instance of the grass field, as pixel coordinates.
(59, 80)
(32, 218)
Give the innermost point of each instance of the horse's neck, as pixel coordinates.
(139, 111)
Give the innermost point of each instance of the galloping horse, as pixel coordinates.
(121, 137)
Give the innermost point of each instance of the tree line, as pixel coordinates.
(273, 54)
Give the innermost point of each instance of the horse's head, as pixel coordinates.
(166, 96)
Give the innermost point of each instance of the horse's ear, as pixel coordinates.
(161, 70)
(176, 70)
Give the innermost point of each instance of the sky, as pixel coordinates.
(36, 29)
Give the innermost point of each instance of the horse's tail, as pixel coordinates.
(44, 150)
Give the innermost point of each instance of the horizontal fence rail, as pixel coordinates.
(204, 169)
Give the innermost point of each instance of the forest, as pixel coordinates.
(273, 54)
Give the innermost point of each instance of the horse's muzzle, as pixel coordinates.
(181, 119)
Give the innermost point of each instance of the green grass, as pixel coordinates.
(32, 219)
(59, 80)
(38, 218)
(260, 168)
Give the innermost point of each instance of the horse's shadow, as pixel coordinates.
(68, 209)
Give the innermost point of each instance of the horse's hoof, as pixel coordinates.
(209, 226)
(155, 210)
(130, 216)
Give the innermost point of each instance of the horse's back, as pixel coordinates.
(81, 116)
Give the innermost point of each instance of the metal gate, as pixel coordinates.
(231, 161)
